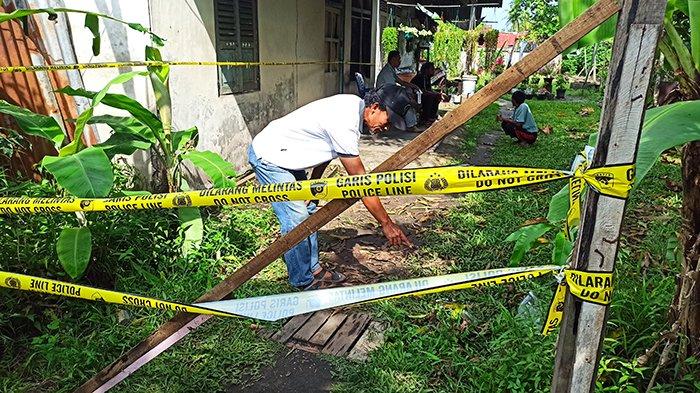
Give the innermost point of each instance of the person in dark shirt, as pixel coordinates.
(430, 99)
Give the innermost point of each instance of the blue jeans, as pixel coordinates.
(302, 259)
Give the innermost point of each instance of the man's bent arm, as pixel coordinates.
(354, 166)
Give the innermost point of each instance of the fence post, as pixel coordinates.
(583, 325)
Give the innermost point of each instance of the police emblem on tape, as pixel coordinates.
(436, 182)
(606, 179)
(13, 283)
(319, 189)
(182, 200)
(97, 296)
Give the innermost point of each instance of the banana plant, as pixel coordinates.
(571, 9)
(680, 117)
(684, 61)
(86, 171)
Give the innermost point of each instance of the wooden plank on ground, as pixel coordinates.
(291, 327)
(312, 325)
(326, 331)
(583, 325)
(370, 340)
(347, 335)
(511, 77)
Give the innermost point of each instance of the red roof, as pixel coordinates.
(507, 38)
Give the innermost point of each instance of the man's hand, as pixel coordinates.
(394, 235)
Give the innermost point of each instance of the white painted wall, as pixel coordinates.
(289, 30)
(119, 43)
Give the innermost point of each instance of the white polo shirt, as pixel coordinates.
(313, 134)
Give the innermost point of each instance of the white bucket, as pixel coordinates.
(468, 85)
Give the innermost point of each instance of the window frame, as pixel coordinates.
(330, 41)
(224, 86)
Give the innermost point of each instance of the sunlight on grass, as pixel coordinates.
(491, 346)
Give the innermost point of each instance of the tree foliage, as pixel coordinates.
(447, 47)
(539, 19)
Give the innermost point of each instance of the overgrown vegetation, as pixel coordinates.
(390, 41)
(53, 344)
(87, 171)
(486, 340)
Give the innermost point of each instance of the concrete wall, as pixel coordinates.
(289, 30)
(119, 43)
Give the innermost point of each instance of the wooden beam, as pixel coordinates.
(543, 54)
(583, 325)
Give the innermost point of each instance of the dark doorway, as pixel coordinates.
(361, 37)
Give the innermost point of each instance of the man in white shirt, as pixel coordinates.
(310, 137)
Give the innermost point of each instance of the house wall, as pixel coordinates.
(119, 43)
(290, 30)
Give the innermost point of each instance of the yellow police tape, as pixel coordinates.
(595, 287)
(610, 180)
(576, 187)
(148, 63)
(43, 285)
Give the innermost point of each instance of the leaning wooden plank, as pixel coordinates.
(583, 326)
(543, 54)
(347, 335)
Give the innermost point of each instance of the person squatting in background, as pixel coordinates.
(521, 127)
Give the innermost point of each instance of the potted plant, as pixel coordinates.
(562, 85)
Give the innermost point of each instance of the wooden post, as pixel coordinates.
(181, 324)
(583, 325)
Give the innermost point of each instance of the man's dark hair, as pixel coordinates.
(518, 97)
(426, 67)
(371, 97)
(393, 54)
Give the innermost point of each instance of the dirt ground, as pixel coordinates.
(293, 371)
(355, 245)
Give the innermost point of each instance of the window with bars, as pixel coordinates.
(361, 37)
(236, 27)
(333, 38)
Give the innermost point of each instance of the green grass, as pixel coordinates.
(471, 340)
(476, 127)
(54, 344)
(486, 344)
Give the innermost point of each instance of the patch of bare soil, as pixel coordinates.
(354, 243)
(293, 371)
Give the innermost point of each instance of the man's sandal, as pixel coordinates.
(324, 279)
(329, 276)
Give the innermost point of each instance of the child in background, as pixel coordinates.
(521, 126)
